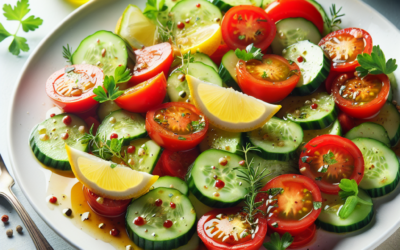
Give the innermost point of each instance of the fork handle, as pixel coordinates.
(38, 239)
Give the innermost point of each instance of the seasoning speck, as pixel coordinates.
(9, 233)
(67, 212)
(19, 229)
(85, 216)
(101, 225)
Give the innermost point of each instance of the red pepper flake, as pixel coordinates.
(314, 106)
(51, 115)
(131, 149)
(300, 59)
(219, 184)
(67, 120)
(113, 136)
(114, 232)
(168, 224)
(180, 25)
(139, 221)
(198, 5)
(158, 202)
(5, 218)
(172, 205)
(53, 199)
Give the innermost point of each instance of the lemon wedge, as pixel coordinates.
(229, 109)
(136, 28)
(119, 182)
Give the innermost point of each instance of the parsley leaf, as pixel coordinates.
(122, 75)
(349, 192)
(18, 12)
(18, 44)
(251, 52)
(329, 158)
(112, 91)
(31, 23)
(348, 188)
(375, 63)
(151, 10)
(317, 205)
(196, 126)
(277, 243)
(264, 74)
(3, 33)
(116, 144)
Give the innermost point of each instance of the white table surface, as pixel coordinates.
(53, 12)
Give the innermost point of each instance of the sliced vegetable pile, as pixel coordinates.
(223, 120)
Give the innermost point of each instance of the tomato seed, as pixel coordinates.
(113, 136)
(168, 224)
(180, 25)
(67, 120)
(114, 232)
(139, 221)
(131, 149)
(158, 202)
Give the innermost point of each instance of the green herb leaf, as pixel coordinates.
(196, 126)
(318, 178)
(67, 53)
(304, 158)
(113, 165)
(375, 63)
(241, 37)
(334, 22)
(251, 52)
(348, 188)
(277, 243)
(264, 74)
(3, 33)
(317, 205)
(152, 8)
(116, 144)
(18, 44)
(181, 138)
(18, 12)
(31, 23)
(348, 207)
(112, 91)
(122, 74)
(329, 158)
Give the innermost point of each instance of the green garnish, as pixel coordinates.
(251, 52)
(329, 158)
(67, 53)
(113, 165)
(30, 23)
(264, 74)
(164, 27)
(335, 20)
(181, 138)
(186, 59)
(317, 205)
(152, 8)
(122, 75)
(278, 243)
(109, 83)
(348, 193)
(196, 126)
(241, 37)
(375, 63)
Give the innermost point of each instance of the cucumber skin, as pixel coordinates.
(319, 124)
(227, 78)
(314, 84)
(222, 5)
(346, 229)
(278, 156)
(378, 192)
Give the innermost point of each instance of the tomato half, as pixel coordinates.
(219, 53)
(282, 9)
(346, 122)
(300, 240)
(246, 24)
(71, 88)
(151, 61)
(144, 96)
(176, 163)
(158, 169)
(292, 210)
(331, 78)
(109, 207)
(270, 80)
(227, 228)
(327, 159)
(176, 126)
(343, 47)
(361, 97)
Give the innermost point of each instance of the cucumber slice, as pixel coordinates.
(193, 244)
(277, 139)
(201, 180)
(333, 129)
(381, 173)
(178, 91)
(92, 48)
(274, 168)
(369, 130)
(222, 140)
(127, 125)
(389, 118)
(51, 149)
(330, 221)
(201, 208)
(172, 182)
(153, 235)
(300, 111)
(106, 108)
(227, 70)
(203, 58)
(325, 17)
(292, 30)
(225, 5)
(146, 155)
(314, 68)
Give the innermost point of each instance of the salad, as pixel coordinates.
(225, 124)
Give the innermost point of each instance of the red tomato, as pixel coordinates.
(89, 113)
(151, 61)
(210, 224)
(177, 163)
(343, 47)
(331, 78)
(327, 159)
(246, 24)
(71, 88)
(144, 96)
(219, 53)
(300, 240)
(282, 9)
(270, 80)
(158, 169)
(346, 122)
(176, 126)
(361, 97)
(91, 121)
(109, 207)
(295, 211)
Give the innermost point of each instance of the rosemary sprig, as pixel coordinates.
(104, 148)
(186, 59)
(335, 20)
(67, 53)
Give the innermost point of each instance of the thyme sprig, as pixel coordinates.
(186, 59)
(67, 53)
(335, 21)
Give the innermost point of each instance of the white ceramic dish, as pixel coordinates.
(30, 103)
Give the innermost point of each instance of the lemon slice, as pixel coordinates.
(229, 109)
(205, 39)
(136, 28)
(117, 183)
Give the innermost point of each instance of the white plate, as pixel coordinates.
(30, 104)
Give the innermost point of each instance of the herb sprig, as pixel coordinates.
(334, 22)
(278, 243)
(375, 63)
(110, 84)
(67, 53)
(186, 59)
(349, 193)
(251, 52)
(164, 28)
(31, 23)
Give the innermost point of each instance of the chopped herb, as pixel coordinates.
(329, 158)
(304, 158)
(349, 193)
(196, 126)
(303, 115)
(317, 205)
(268, 61)
(113, 165)
(264, 74)
(318, 178)
(241, 37)
(183, 114)
(262, 20)
(181, 138)
(275, 224)
(291, 62)
(251, 52)
(277, 243)
(323, 169)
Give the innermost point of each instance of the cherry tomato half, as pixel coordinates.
(176, 163)
(331, 78)
(270, 80)
(246, 24)
(361, 97)
(282, 9)
(300, 240)
(176, 126)
(144, 96)
(294, 211)
(343, 47)
(346, 122)
(108, 207)
(219, 53)
(151, 61)
(327, 159)
(71, 88)
(218, 228)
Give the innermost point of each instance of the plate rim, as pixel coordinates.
(64, 24)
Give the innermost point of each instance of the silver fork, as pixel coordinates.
(6, 182)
